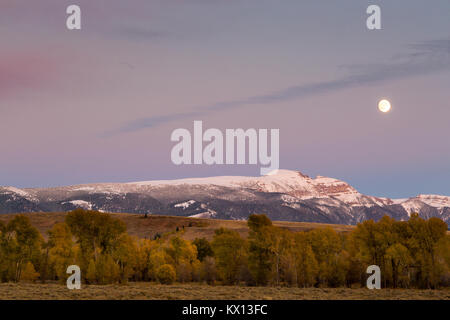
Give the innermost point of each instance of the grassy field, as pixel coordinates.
(139, 291)
(138, 226)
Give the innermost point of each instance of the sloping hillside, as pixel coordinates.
(188, 228)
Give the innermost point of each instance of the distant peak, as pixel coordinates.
(431, 196)
(285, 173)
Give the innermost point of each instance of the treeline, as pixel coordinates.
(414, 253)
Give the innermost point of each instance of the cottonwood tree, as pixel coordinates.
(20, 244)
(230, 252)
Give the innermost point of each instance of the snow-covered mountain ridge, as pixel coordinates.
(282, 194)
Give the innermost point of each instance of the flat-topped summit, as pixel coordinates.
(281, 194)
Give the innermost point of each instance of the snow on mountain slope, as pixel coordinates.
(80, 204)
(433, 200)
(16, 192)
(416, 204)
(290, 182)
(412, 205)
(282, 194)
(185, 205)
(207, 214)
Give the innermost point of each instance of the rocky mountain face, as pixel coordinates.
(282, 195)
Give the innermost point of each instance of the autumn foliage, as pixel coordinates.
(414, 253)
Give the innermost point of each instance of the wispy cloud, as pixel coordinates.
(135, 32)
(423, 58)
(151, 122)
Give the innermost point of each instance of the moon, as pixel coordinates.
(384, 106)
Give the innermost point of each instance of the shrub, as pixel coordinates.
(165, 274)
(208, 270)
(29, 274)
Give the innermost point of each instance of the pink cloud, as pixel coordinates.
(23, 71)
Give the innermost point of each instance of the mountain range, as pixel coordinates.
(282, 195)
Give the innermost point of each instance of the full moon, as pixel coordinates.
(384, 106)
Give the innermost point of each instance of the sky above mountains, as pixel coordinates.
(100, 104)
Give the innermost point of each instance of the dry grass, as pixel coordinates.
(138, 226)
(139, 291)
